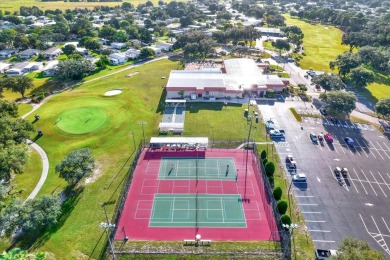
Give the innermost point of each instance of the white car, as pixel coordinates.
(299, 177)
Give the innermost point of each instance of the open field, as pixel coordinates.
(322, 44)
(24, 108)
(78, 234)
(15, 4)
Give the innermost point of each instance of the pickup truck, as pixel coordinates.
(276, 133)
(323, 254)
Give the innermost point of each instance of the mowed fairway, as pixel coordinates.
(112, 146)
(14, 5)
(322, 44)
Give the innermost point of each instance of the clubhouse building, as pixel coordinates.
(236, 78)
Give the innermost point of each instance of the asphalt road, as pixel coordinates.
(335, 207)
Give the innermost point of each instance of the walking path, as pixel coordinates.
(45, 169)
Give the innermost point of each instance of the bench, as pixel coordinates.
(189, 242)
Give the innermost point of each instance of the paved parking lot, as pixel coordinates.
(337, 206)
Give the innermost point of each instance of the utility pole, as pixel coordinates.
(143, 132)
(247, 152)
(106, 226)
(132, 133)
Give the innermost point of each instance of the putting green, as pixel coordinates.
(81, 120)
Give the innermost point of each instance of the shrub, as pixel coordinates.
(265, 161)
(296, 115)
(277, 193)
(271, 180)
(282, 206)
(269, 169)
(263, 155)
(285, 219)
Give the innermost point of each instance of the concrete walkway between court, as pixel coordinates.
(243, 144)
(45, 168)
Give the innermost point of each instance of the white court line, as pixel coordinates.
(369, 182)
(388, 185)
(360, 181)
(383, 150)
(324, 241)
(317, 230)
(316, 221)
(378, 184)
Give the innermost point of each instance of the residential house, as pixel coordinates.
(156, 50)
(49, 69)
(164, 46)
(52, 53)
(32, 66)
(133, 53)
(271, 32)
(7, 53)
(23, 68)
(117, 58)
(29, 53)
(118, 45)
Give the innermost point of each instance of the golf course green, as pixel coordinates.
(81, 120)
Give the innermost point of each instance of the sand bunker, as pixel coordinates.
(113, 92)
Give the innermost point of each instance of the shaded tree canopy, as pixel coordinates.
(342, 102)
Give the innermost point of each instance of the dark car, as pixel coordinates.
(349, 141)
(313, 137)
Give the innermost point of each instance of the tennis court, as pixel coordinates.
(172, 168)
(197, 210)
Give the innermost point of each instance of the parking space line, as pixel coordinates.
(324, 241)
(383, 150)
(353, 183)
(311, 212)
(378, 184)
(318, 230)
(304, 196)
(360, 181)
(362, 148)
(380, 241)
(369, 182)
(316, 221)
(308, 204)
(384, 181)
(376, 150)
(366, 145)
(339, 180)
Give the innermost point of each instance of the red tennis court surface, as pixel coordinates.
(135, 217)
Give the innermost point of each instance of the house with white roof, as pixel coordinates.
(118, 45)
(4, 66)
(52, 53)
(164, 46)
(50, 69)
(237, 77)
(8, 53)
(117, 58)
(133, 53)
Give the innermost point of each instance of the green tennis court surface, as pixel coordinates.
(202, 210)
(193, 168)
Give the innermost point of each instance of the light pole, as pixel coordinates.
(290, 228)
(247, 151)
(143, 132)
(132, 133)
(107, 225)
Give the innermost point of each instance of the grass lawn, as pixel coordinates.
(15, 4)
(31, 174)
(268, 45)
(302, 244)
(322, 44)
(24, 108)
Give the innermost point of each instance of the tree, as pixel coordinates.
(282, 206)
(69, 49)
(147, 53)
(92, 44)
(342, 102)
(281, 45)
(8, 109)
(345, 62)
(76, 165)
(351, 248)
(74, 68)
(383, 107)
(360, 77)
(17, 84)
(263, 155)
(107, 32)
(34, 215)
(181, 93)
(329, 82)
(121, 36)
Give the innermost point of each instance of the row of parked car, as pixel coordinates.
(321, 137)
